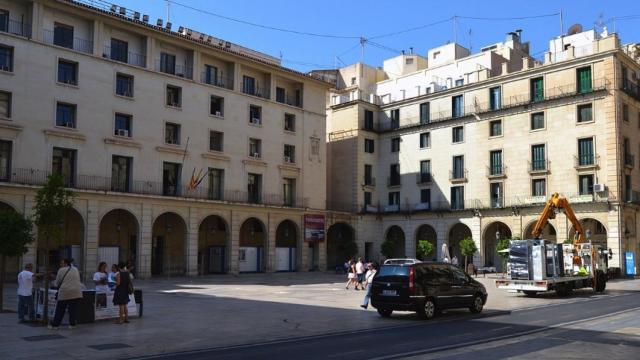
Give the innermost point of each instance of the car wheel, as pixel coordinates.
(530, 293)
(428, 309)
(385, 312)
(477, 305)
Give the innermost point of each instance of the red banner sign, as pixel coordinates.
(313, 228)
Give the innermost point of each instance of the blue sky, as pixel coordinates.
(371, 18)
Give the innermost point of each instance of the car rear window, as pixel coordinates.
(393, 270)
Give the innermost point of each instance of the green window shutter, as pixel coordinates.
(584, 79)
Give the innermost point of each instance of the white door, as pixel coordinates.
(109, 254)
(248, 259)
(285, 259)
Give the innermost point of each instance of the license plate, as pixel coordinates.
(389, 293)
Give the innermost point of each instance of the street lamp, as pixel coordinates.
(497, 235)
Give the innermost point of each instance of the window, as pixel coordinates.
(495, 161)
(395, 144)
(425, 140)
(124, 85)
(395, 118)
(172, 134)
(254, 188)
(289, 122)
(5, 104)
(174, 96)
(216, 184)
(457, 197)
(315, 146)
(585, 113)
(367, 199)
(458, 167)
(171, 173)
(368, 120)
(122, 125)
(537, 121)
(425, 171)
(408, 61)
(248, 85)
(255, 146)
(459, 82)
(67, 72)
(64, 163)
(6, 58)
(394, 198)
(585, 184)
(120, 173)
(216, 106)
(255, 115)
(457, 106)
(625, 112)
(538, 159)
(436, 54)
(425, 196)
(457, 134)
(394, 175)
(369, 146)
(353, 80)
(216, 141)
(537, 89)
(289, 154)
(5, 160)
(119, 50)
(495, 128)
(368, 177)
(167, 63)
(63, 35)
(495, 191)
(211, 75)
(495, 98)
(289, 191)
(539, 187)
(425, 116)
(281, 95)
(66, 115)
(585, 152)
(4, 20)
(584, 80)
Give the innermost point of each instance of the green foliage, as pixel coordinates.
(52, 203)
(349, 248)
(468, 247)
(15, 233)
(503, 244)
(388, 248)
(425, 247)
(568, 241)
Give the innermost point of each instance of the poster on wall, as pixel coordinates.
(313, 228)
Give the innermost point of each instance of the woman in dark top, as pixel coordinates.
(122, 291)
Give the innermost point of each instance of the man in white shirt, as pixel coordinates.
(368, 281)
(25, 293)
(360, 272)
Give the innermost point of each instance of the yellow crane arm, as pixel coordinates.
(549, 212)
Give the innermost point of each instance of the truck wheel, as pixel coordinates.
(530, 293)
(428, 309)
(601, 281)
(477, 305)
(385, 312)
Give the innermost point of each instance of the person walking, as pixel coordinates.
(69, 294)
(100, 278)
(368, 279)
(124, 288)
(360, 273)
(351, 275)
(25, 294)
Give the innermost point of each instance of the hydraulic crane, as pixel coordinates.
(558, 203)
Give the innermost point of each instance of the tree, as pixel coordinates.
(52, 203)
(387, 248)
(467, 248)
(15, 235)
(425, 247)
(502, 245)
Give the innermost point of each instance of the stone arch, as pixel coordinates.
(457, 232)
(548, 232)
(253, 246)
(286, 246)
(596, 229)
(493, 232)
(169, 242)
(395, 234)
(339, 235)
(118, 236)
(70, 243)
(427, 232)
(214, 244)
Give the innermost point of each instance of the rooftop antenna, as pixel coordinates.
(455, 28)
(470, 44)
(168, 10)
(362, 42)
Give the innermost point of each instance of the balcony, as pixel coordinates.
(130, 58)
(539, 167)
(586, 162)
(341, 206)
(497, 202)
(458, 175)
(142, 187)
(630, 89)
(256, 91)
(632, 196)
(369, 181)
(393, 180)
(178, 70)
(82, 45)
(496, 171)
(629, 160)
(16, 27)
(424, 178)
(219, 81)
(289, 100)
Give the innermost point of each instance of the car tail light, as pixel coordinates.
(411, 279)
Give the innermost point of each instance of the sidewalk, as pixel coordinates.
(204, 312)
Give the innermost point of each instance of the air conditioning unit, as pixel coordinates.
(599, 187)
(255, 121)
(287, 159)
(122, 132)
(256, 155)
(69, 124)
(218, 113)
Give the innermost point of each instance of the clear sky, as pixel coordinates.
(355, 18)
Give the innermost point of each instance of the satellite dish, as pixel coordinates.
(575, 29)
